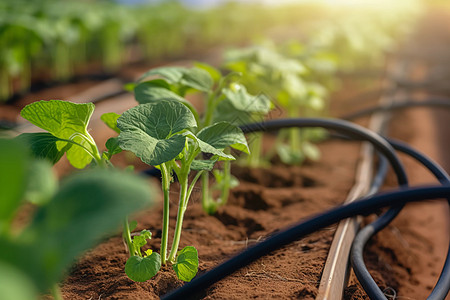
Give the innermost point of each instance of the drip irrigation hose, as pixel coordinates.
(363, 207)
(442, 287)
(432, 102)
(289, 235)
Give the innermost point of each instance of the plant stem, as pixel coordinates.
(206, 200)
(56, 292)
(226, 183)
(127, 236)
(182, 204)
(254, 159)
(165, 230)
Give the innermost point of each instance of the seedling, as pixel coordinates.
(225, 99)
(162, 134)
(284, 80)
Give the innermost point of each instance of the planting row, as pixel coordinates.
(48, 40)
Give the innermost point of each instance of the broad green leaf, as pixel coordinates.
(110, 119)
(213, 72)
(243, 101)
(13, 177)
(195, 78)
(142, 269)
(65, 120)
(186, 266)
(44, 145)
(151, 131)
(153, 91)
(112, 144)
(42, 182)
(15, 284)
(88, 206)
(141, 239)
(222, 135)
(157, 90)
(171, 74)
(207, 148)
(198, 79)
(199, 165)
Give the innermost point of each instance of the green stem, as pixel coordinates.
(206, 200)
(56, 292)
(165, 230)
(209, 110)
(127, 236)
(182, 204)
(226, 180)
(254, 159)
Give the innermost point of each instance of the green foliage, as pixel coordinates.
(110, 119)
(154, 131)
(87, 206)
(186, 266)
(12, 178)
(68, 122)
(143, 268)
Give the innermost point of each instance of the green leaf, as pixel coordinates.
(152, 131)
(13, 162)
(88, 206)
(157, 90)
(198, 79)
(186, 266)
(141, 239)
(288, 156)
(112, 144)
(195, 78)
(133, 224)
(171, 74)
(243, 101)
(222, 135)
(64, 120)
(142, 269)
(207, 148)
(44, 145)
(110, 119)
(15, 285)
(213, 72)
(154, 90)
(311, 151)
(199, 165)
(42, 182)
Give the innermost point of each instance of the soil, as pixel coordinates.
(405, 258)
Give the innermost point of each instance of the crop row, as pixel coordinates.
(51, 40)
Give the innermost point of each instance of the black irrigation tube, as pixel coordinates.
(442, 287)
(291, 234)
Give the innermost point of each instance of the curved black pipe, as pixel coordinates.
(442, 287)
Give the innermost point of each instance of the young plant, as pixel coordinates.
(66, 124)
(70, 218)
(283, 79)
(225, 99)
(162, 134)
